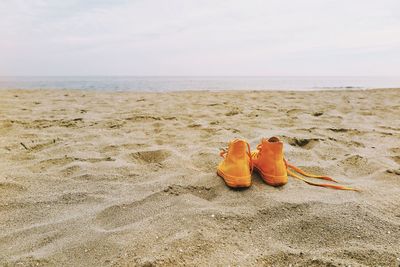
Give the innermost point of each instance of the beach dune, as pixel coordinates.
(127, 178)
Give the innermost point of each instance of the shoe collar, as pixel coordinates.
(270, 141)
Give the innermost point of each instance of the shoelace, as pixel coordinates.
(224, 151)
(295, 175)
(327, 178)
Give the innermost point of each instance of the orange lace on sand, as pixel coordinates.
(327, 178)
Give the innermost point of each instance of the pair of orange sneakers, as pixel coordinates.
(268, 160)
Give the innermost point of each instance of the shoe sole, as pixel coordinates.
(235, 182)
(270, 180)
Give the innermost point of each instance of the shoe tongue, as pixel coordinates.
(238, 146)
(273, 139)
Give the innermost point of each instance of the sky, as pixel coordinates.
(196, 37)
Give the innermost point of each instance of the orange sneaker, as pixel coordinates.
(236, 167)
(269, 163)
(273, 168)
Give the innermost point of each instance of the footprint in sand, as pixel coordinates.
(49, 163)
(396, 159)
(306, 143)
(357, 165)
(151, 156)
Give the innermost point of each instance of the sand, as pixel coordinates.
(129, 179)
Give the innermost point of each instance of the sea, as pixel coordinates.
(212, 83)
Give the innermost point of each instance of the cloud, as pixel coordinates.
(309, 37)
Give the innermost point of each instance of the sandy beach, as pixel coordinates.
(129, 179)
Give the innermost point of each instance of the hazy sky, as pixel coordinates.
(170, 37)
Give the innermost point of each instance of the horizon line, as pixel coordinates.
(130, 75)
